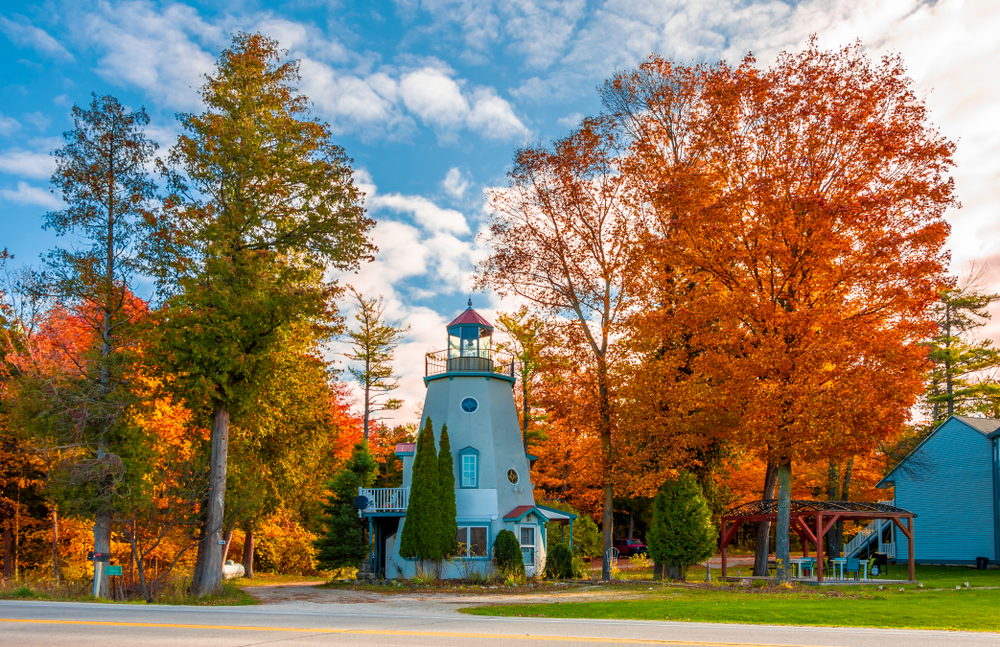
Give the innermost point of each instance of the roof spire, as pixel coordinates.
(470, 303)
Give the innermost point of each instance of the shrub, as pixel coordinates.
(284, 546)
(682, 532)
(507, 554)
(421, 534)
(559, 564)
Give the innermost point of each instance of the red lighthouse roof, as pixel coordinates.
(470, 316)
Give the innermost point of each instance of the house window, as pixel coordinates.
(473, 541)
(528, 544)
(469, 464)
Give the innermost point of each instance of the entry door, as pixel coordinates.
(528, 536)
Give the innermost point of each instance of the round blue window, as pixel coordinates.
(469, 405)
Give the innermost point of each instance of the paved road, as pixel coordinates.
(33, 623)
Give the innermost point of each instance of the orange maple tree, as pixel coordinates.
(802, 208)
(563, 236)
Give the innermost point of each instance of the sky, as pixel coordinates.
(430, 98)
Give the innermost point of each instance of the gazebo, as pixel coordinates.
(813, 519)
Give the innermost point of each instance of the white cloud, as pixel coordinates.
(438, 100)
(454, 184)
(434, 97)
(494, 117)
(159, 52)
(8, 125)
(37, 119)
(33, 164)
(349, 101)
(425, 212)
(23, 34)
(31, 195)
(571, 120)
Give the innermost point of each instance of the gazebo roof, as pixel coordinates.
(770, 506)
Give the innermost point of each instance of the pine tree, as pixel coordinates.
(448, 509)
(681, 533)
(344, 543)
(956, 384)
(420, 537)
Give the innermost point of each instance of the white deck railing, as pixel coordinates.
(386, 499)
(853, 547)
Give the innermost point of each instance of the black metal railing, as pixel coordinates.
(438, 362)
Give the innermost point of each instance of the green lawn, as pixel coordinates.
(938, 605)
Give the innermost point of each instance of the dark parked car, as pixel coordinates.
(629, 547)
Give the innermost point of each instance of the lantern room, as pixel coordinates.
(469, 335)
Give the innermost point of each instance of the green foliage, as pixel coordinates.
(956, 383)
(373, 344)
(682, 532)
(421, 534)
(507, 556)
(343, 543)
(447, 508)
(559, 563)
(587, 539)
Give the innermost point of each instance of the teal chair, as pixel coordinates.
(809, 564)
(853, 566)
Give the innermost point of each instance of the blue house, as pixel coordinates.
(950, 481)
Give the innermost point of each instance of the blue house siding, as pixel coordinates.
(948, 482)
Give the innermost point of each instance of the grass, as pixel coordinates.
(938, 605)
(177, 594)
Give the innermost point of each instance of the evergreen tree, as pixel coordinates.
(102, 175)
(343, 544)
(373, 344)
(448, 509)
(681, 533)
(956, 384)
(420, 537)
(261, 206)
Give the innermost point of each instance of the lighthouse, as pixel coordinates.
(469, 388)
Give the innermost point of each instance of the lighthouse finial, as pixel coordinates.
(470, 302)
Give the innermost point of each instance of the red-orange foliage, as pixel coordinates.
(801, 209)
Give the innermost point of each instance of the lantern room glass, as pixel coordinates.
(469, 341)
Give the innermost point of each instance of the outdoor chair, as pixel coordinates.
(853, 566)
(809, 564)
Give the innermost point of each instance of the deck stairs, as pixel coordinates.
(875, 532)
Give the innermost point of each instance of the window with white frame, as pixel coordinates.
(469, 463)
(528, 544)
(473, 541)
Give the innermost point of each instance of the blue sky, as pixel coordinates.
(431, 97)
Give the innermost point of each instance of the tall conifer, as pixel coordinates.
(448, 509)
(421, 528)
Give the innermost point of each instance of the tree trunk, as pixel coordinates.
(631, 523)
(524, 415)
(607, 520)
(56, 575)
(140, 566)
(674, 572)
(228, 538)
(657, 571)
(8, 553)
(762, 548)
(831, 540)
(845, 495)
(210, 580)
(248, 549)
(102, 544)
(782, 552)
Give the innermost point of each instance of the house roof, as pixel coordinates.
(470, 316)
(556, 515)
(405, 448)
(986, 426)
(521, 511)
